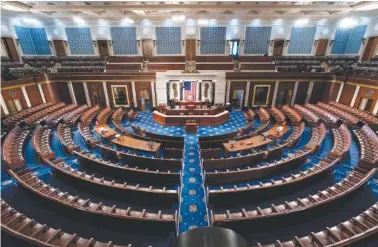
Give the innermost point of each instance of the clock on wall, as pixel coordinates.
(369, 92)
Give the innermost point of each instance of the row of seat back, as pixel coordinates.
(41, 142)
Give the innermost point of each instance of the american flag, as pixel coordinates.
(190, 91)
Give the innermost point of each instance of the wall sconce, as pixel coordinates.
(316, 42)
(331, 43)
(198, 42)
(242, 42)
(271, 42)
(363, 41)
(286, 42)
(183, 42)
(138, 42)
(17, 42)
(227, 43)
(110, 43)
(50, 43)
(65, 43)
(154, 42)
(94, 43)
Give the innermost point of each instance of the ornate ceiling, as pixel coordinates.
(220, 10)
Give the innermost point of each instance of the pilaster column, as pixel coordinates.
(294, 93)
(276, 84)
(309, 92)
(26, 96)
(106, 93)
(355, 96)
(134, 94)
(248, 85)
(153, 94)
(87, 94)
(3, 105)
(41, 93)
(72, 93)
(375, 110)
(340, 91)
(228, 91)
(198, 90)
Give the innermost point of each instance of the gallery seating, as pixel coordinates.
(307, 115)
(16, 118)
(53, 118)
(41, 142)
(86, 134)
(317, 136)
(104, 115)
(117, 117)
(347, 117)
(362, 115)
(263, 115)
(130, 173)
(73, 116)
(357, 178)
(88, 116)
(233, 176)
(329, 118)
(348, 232)
(143, 192)
(277, 114)
(368, 141)
(31, 182)
(37, 117)
(295, 135)
(292, 114)
(20, 226)
(342, 141)
(13, 148)
(65, 136)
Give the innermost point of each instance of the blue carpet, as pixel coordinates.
(193, 207)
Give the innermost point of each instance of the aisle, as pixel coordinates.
(193, 207)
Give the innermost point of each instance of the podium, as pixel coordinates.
(191, 128)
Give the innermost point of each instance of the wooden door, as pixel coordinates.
(322, 47)
(60, 49)
(11, 48)
(278, 47)
(103, 48)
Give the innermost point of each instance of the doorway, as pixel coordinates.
(237, 99)
(365, 104)
(284, 97)
(14, 105)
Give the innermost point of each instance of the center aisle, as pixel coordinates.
(193, 207)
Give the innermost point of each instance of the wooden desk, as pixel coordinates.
(253, 142)
(136, 144)
(191, 128)
(273, 134)
(200, 120)
(105, 131)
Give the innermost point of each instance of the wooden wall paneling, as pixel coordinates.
(127, 59)
(284, 93)
(11, 48)
(212, 59)
(319, 92)
(51, 92)
(60, 49)
(278, 47)
(301, 93)
(256, 59)
(123, 67)
(347, 94)
(333, 91)
(147, 48)
(322, 47)
(96, 93)
(34, 95)
(367, 93)
(190, 53)
(103, 47)
(370, 49)
(79, 92)
(123, 83)
(14, 93)
(64, 92)
(252, 88)
(208, 66)
(167, 59)
(164, 67)
(139, 88)
(257, 67)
